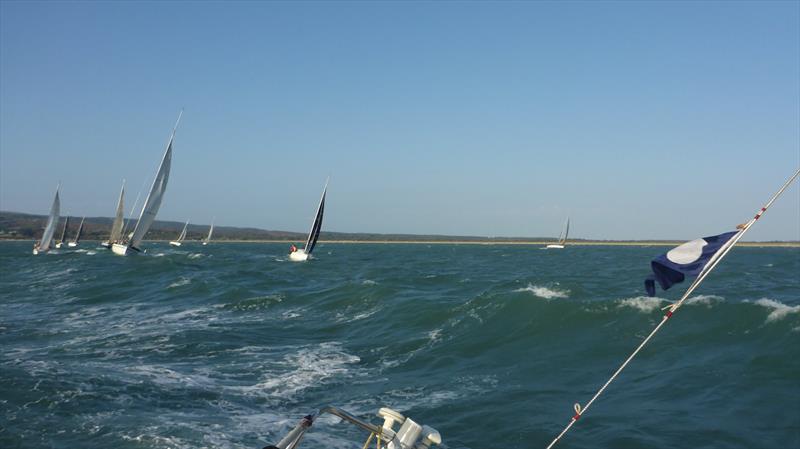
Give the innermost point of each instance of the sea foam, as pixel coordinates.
(642, 303)
(778, 309)
(309, 366)
(543, 292)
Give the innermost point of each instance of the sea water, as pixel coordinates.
(228, 345)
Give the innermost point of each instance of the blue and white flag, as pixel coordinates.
(688, 259)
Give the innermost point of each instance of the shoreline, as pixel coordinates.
(473, 242)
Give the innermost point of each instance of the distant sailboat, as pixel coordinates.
(77, 240)
(562, 241)
(299, 255)
(210, 231)
(151, 204)
(43, 245)
(180, 237)
(63, 234)
(119, 220)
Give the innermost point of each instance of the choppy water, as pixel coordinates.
(228, 345)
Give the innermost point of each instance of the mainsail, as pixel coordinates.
(183, 233)
(52, 219)
(64, 231)
(210, 230)
(153, 201)
(119, 219)
(80, 231)
(313, 236)
(562, 241)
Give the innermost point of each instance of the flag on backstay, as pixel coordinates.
(688, 259)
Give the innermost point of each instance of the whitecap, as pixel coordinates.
(544, 292)
(181, 282)
(309, 366)
(195, 255)
(162, 375)
(642, 303)
(705, 300)
(435, 335)
(779, 310)
(290, 314)
(368, 282)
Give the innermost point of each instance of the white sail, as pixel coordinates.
(210, 231)
(78, 234)
(562, 238)
(50, 227)
(183, 233)
(119, 218)
(64, 231)
(316, 226)
(156, 195)
(566, 234)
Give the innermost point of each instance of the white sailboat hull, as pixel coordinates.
(298, 256)
(122, 250)
(72, 244)
(175, 243)
(205, 243)
(58, 245)
(35, 251)
(555, 246)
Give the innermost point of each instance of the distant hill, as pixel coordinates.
(16, 225)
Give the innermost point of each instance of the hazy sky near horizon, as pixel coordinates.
(637, 120)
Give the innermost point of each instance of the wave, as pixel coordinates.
(544, 292)
(706, 300)
(180, 282)
(307, 367)
(255, 303)
(642, 303)
(649, 304)
(778, 310)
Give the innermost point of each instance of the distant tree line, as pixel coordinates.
(15, 225)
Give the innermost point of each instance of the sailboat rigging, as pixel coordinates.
(299, 255)
(562, 238)
(119, 218)
(181, 237)
(210, 231)
(44, 244)
(151, 204)
(77, 239)
(63, 233)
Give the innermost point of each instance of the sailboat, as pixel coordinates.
(63, 234)
(210, 231)
(562, 241)
(151, 204)
(119, 219)
(43, 245)
(300, 255)
(180, 237)
(77, 240)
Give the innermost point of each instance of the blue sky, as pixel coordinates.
(638, 120)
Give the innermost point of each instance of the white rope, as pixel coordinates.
(715, 259)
